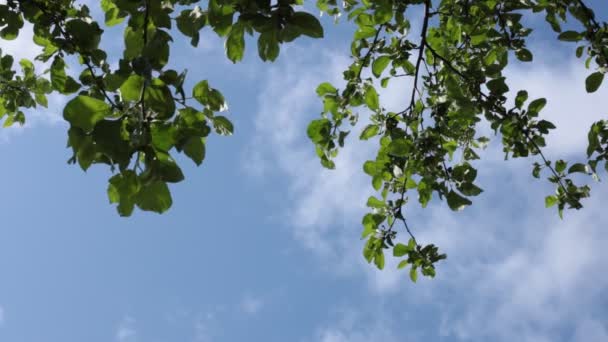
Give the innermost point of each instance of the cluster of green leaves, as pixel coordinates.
(135, 117)
(456, 61)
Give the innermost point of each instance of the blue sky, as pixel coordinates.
(262, 244)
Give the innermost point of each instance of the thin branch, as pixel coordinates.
(370, 51)
(142, 101)
(425, 25)
(58, 24)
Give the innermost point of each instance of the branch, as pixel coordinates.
(58, 24)
(142, 101)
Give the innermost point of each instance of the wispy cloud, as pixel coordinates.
(126, 331)
(251, 305)
(350, 325)
(515, 271)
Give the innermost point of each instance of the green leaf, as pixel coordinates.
(208, 96)
(195, 149)
(400, 250)
(371, 98)
(222, 125)
(122, 189)
(578, 167)
(498, 86)
(154, 197)
(365, 32)
(369, 131)
(537, 105)
(130, 90)
(570, 36)
(380, 64)
(399, 147)
(379, 260)
(524, 55)
(268, 45)
(158, 97)
(413, 274)
(326, 88)
(84, 112)
(235, 43)
(456, 202)
(373, 202)
(550, 201)
(594, 81)
(163, 136)
(307, 24)
(319, 130)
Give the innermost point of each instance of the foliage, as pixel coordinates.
(134, 117)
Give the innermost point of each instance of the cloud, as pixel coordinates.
(251, 305)
(126, 331)
(354, 326)
(514, 272)
(204, 327)
(569, 106)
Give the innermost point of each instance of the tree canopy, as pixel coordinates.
(134, 115)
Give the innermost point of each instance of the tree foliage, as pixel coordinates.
(134, 117)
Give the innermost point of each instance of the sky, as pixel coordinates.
(263, 244)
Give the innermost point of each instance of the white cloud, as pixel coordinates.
(354, 326)
(203, 327)
(515, 271)
(569, 106)
(251, 305)
(126, 331)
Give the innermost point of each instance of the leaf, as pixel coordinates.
(235, 43)
(369, 131)
(154, 197)
(195, 149)
(570, 36)
(380, 64)
(373, 202)
(521, 98)
(158, 97)
(165, 168)
(524, 55)
(122, 189)
(537, 105)
(84, 112)
(594, 81)
(379, 260)
(399, 147)
(268, 46)
(400, 250)
(550, 201)
(130, 90)
(208, 96)
(318, 130)
(578, 167)
(307, 24)
(222, 125)
(457, 202)
(371, 98)
(413, 274)
(498, 86)
(163, 136)
(326, 88)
